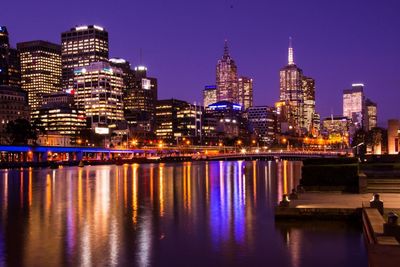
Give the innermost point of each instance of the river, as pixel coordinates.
(178, 214)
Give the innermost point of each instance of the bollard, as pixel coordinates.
(284, 202)
(391, 228)
(293, 195)
(376, 203)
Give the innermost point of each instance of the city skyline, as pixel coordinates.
(334, 63)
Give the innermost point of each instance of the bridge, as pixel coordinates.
(51, 153)
(276, 155)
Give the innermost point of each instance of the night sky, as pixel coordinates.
(336, 42)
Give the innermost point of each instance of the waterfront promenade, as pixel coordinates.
(383, 248)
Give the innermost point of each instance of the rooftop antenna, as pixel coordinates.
(290, 52)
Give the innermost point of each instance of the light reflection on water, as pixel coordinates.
(183, 214)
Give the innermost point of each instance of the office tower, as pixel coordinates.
(336, 125)
(231, 123)
(190, 124)
(209, 95)
(59, 115)
(370, 115)
(353, 104)
(227, 78)
(13, 105)
(40, 70)
(263, 122)
(167, 122)
(142, 93)
(291, 93)
(127, 72)
(98, 91)
(81, 46)
(140, 101)
(308, 86)
(245, 98)
(9, 61)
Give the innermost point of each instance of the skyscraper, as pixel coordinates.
(98, 91)
(209, 95)
(370, 115)
(227, 78)
(308, 85)
(291, 93)
(9, 61)
(40, 70)
(245, 86)
(353, 104)
(263, 121)
(81, 46)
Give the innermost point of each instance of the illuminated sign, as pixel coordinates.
(211, 87)
(81, 28)
(140, 68)
(237, 107)
(117, 60)
(146, 84)
(357, 84)
(98, 28)
(102, 130)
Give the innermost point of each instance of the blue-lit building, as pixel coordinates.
(231, 122)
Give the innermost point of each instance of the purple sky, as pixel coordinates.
(336, 42)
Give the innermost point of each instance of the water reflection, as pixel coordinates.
(197, 214)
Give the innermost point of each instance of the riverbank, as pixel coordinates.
(383, 246)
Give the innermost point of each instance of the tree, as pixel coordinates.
(20, 132)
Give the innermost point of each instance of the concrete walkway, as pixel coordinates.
(342, 200)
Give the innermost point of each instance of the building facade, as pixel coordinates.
(167, 123)
(81, 46)
(263, 122)
(353, 104)
(13, 105)
(40, 70)
(227, 78)
(371, 114)
(58, 115)
(209, 95)
(291, 94)
(308, 85)
(98, 90)
(393, 136)
(9, 61)
(245, 98)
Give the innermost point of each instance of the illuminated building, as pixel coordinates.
(58, 115)
(308, 85)
(263, 122)
(127, 72)
(230, 120)
(98, 91)
(227, 79)
(40, 70)
(209, 95)
(291, 93)
(190, 123)
(245, 98)
(336, 126)
(13, 105)
(370, 115)
(167, 123)
(9, 61)
(353, 104)
(393, 136)
(140, 99)
(81, 46)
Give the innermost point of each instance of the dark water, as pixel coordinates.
(183, 214)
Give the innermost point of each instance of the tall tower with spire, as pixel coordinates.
(291, 93)
(227, 78)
